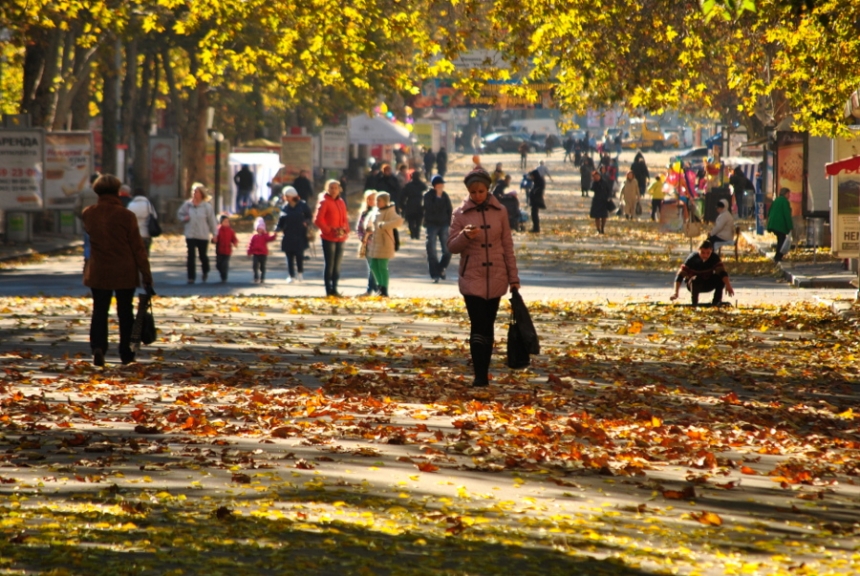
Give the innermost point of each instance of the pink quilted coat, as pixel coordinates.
(487, 262)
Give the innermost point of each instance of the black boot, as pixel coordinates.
(481, 351)
(383, 291)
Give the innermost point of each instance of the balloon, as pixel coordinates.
(383, 108)
(410, 120)
(408, 110)
(389, 115)
(676, 166)
(410, 127)
(476, 160)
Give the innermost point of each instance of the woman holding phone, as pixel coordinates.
(481, 234)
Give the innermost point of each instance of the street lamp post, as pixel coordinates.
(217, 137)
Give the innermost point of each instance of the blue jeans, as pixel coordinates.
(437, 267)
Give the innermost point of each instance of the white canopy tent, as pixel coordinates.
(264, 165)
(372, 131)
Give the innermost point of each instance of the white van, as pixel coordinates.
(544, 127)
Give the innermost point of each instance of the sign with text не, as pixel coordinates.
(845, 202)
(68, 165)
(297, 154)
(22, 159)
(334, 148)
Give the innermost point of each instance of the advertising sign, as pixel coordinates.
(297, 153)
(790, 168)
(69, 162)
(845, 200)
(334, 149)
(163, 167)
(423, 132)
(22, 158)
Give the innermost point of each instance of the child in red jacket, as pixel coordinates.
(224, 242)
(258, 249)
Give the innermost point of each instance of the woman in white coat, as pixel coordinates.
(381, 247)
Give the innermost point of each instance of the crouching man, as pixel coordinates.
(703, 271)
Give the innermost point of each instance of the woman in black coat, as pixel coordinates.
(600, 201)
(536, 199)
(586, 167)
(293, 223)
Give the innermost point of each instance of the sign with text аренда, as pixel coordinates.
(22, 158)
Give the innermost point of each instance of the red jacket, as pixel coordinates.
(331, 214)
(487, 262)
(259, 245)
(225, 240)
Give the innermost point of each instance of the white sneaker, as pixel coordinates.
(289, 279)
(299, 278)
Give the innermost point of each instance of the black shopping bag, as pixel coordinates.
(522, 336)
(143, 330)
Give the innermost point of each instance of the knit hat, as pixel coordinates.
(259, 223)
(437, 180)
(289, 191)
(478, 174)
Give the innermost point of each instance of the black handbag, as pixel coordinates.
(610, 206)
(152, 224)
(143, 331)
(396, 240)
(522, 336)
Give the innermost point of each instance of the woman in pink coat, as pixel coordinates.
(481, 234)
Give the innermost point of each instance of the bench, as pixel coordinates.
(718, 246)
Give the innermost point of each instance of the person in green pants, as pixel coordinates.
(779, 221)
(381, 248)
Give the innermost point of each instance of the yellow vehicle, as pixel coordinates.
(644, 135)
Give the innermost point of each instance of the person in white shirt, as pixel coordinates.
(544, 171)
(142, 208)
(724, 227)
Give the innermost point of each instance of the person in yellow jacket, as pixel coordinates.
(657, 195)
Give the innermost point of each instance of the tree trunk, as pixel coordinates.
(110, 108)
(193, 132)
(40, 69)
(128, 100)
(76, 77)
(141, 124)
(176, 107)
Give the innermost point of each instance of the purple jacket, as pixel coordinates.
(487, 262)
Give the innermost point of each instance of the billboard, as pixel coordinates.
(69, 162)
(22, 159)
(845, 202)
(164, 167)
(334, 148)
(790, 168)
(297, 154)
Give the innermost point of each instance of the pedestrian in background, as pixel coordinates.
(199, 218)
(333, 223)
(225, 241)
(364, 218)
(523, 149)
(536, 198)
(600, 201)
(116, 265)
(303, 186)
(412, 199)
(429, 161)
(481, 234)
(441, 162)
(640, 171)
(245, 184)
(143, 209)
(630, 194)
(437, 220)
(657, 194)
(258, 249)
(780, 222)
(384, 221)
(293, 225)
(586, 168)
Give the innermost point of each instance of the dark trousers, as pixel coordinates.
(697, 286)
(414, 223)
(295, 262)
(437, 266)
(482, 317)
(535, 218)
(99, 322)
(332, 254)
(655, 208)
(222, 264)
(201, 246)
(259, 264)
(780, 238)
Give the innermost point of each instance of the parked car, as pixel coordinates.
(671, 140)
(502, 142)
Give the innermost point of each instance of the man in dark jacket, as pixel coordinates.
(437, 219)
(536, 199)
(245, 183)
(371, 181)
(412, 201)
(429, 161)
(442, 161)
(387, 182)
(303, 186)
